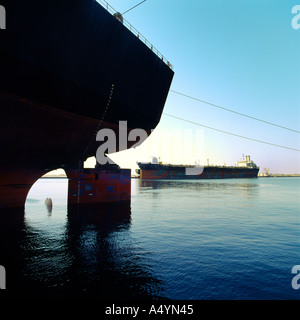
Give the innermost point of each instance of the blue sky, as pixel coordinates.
(241, 55)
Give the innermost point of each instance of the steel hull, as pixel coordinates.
(67, 69)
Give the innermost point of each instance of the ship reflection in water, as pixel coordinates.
(184, 239)
(86, 253)
(243, 187)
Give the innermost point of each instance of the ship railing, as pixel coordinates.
(112, 11)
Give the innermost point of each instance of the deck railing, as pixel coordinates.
(112, 11)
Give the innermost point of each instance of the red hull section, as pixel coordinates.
(15, 184)
(40, 139)
(93, 186)
(45, 138)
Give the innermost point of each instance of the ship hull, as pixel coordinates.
(169, 172)
(41, 139)
(68, 69)
(74, 55)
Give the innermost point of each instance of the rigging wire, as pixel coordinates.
(134, 7)
(230, 133)
(229, 110)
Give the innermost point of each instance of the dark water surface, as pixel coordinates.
(210, 239)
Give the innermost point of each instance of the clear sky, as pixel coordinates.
(243, 55)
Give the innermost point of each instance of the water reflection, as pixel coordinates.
(91, 255)
(11, 256)
(243, 187)
(106, 217)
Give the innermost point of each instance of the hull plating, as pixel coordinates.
(67, 69)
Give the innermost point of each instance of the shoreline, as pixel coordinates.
(278, 175)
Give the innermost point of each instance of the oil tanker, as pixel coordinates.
(67, 69)
(245, 168)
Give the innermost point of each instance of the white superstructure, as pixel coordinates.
(246, 163)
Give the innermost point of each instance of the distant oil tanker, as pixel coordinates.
(156, 170)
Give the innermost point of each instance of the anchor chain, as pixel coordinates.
(101, 120)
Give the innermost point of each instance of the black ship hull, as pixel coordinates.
(67, 69)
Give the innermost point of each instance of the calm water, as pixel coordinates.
(212, 239)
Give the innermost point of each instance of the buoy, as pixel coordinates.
(48, 203)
